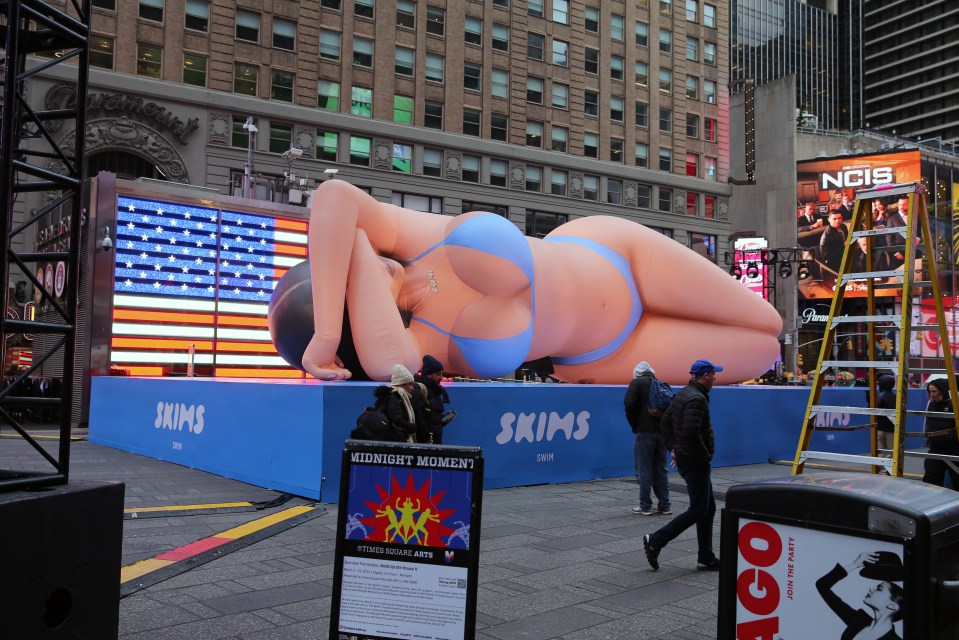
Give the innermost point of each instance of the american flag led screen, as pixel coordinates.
(190, 275)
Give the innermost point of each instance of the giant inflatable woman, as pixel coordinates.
(590, 300)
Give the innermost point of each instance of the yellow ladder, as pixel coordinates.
(862, 227)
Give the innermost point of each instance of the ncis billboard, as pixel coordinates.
(826, 192)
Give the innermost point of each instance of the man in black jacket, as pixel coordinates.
(649, 449)
(689, 435)
(430, 375)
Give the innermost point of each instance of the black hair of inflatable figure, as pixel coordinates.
(290, 319)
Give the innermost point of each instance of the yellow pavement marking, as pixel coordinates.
(263, 523)
(189, 507)
(142, 568)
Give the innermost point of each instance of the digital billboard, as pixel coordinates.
(749, 258)
(825, 197)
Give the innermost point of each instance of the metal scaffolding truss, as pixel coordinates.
(26, 140)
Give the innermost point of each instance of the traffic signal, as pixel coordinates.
(849, 343)
(799, 359)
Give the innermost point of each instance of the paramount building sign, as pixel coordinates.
(811, 315)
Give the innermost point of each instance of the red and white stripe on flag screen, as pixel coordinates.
(188, 275)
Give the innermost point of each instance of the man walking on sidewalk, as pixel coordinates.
(689, 435)
(649, 449)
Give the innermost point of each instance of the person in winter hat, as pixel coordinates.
(940, 435)
(650, 455)
(431, 373)
(396, 402)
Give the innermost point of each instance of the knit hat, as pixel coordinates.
(642, 368)
(401, 375)
(431, 365)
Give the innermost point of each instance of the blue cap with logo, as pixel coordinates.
(702, 367)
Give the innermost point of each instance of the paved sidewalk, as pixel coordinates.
(557, 561)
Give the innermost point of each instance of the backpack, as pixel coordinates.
(374, 425)
(660, 396)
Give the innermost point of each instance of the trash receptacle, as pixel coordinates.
(831, 555)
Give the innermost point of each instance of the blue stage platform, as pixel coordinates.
(289, 436)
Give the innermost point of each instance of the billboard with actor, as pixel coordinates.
(826, 197)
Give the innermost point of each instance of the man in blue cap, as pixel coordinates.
(689, 436)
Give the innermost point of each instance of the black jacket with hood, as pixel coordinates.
(686, 425)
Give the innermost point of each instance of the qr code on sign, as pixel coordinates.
(460, 583)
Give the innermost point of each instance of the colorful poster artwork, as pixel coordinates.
(796, 583)
(748, 257)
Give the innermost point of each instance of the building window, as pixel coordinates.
(591, 145)
(591, 60)
(665, 160)
(403, 109)
(665, 7)
(644, 196)
(535, 8)
(692, 87)
(499, 83)
(363, 8)
(692, 204)
(692, 125)
(642, 34)
(616, 27)
(615, 150)
(692, 49)
(709, 129)
(590, 188)
(539, 223)
(614, 191)
(241, 135)
(560, 53)
(534, 90)
(501, 3)
(497, 172)
(616, 66)
(329, 45)
(498, 209)
(534, 134)
(404, 61)
(557, 182)
(362, 102)
(109, 5)
(642, 114)
(247, 26)
(534, 179)
(281, 86)
(432, 162)
(692, 10)
(665, 119)
(402, 158)
(472, 76)
(709, 91)
(642, 74)
(535, 43)
(665, 41)
(592, 19)
(591, 103)
(709, 53)
(500, 37)
(328, 95)
(417, 202)
(709, 16)
(709, 207)
(435, 21)
(472, 122)
(433, 115)
(281, 137)
(330, 4)
(616, 108)
(559, 138)
(326, 143)
(151, 10)
(363, 52)
(710, 168)
(499, 127)
(471, 169)
(665, 80)
(284, 34)
(101, 52)
(692, 165)
(434, 67)
(561, 11)
(665, 200)
(641, 155)
(360, 151)
(704, 245)
(473, 31)
(197, 15)
(149, 61)
(560, 96)
(406, 14)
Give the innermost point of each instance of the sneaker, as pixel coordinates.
(709, 565)
(665, 512)
(652, 553)
(643, 512)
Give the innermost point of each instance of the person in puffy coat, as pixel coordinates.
(395, 400)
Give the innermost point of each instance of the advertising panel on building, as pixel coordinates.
(826, 190)
(749, 258)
